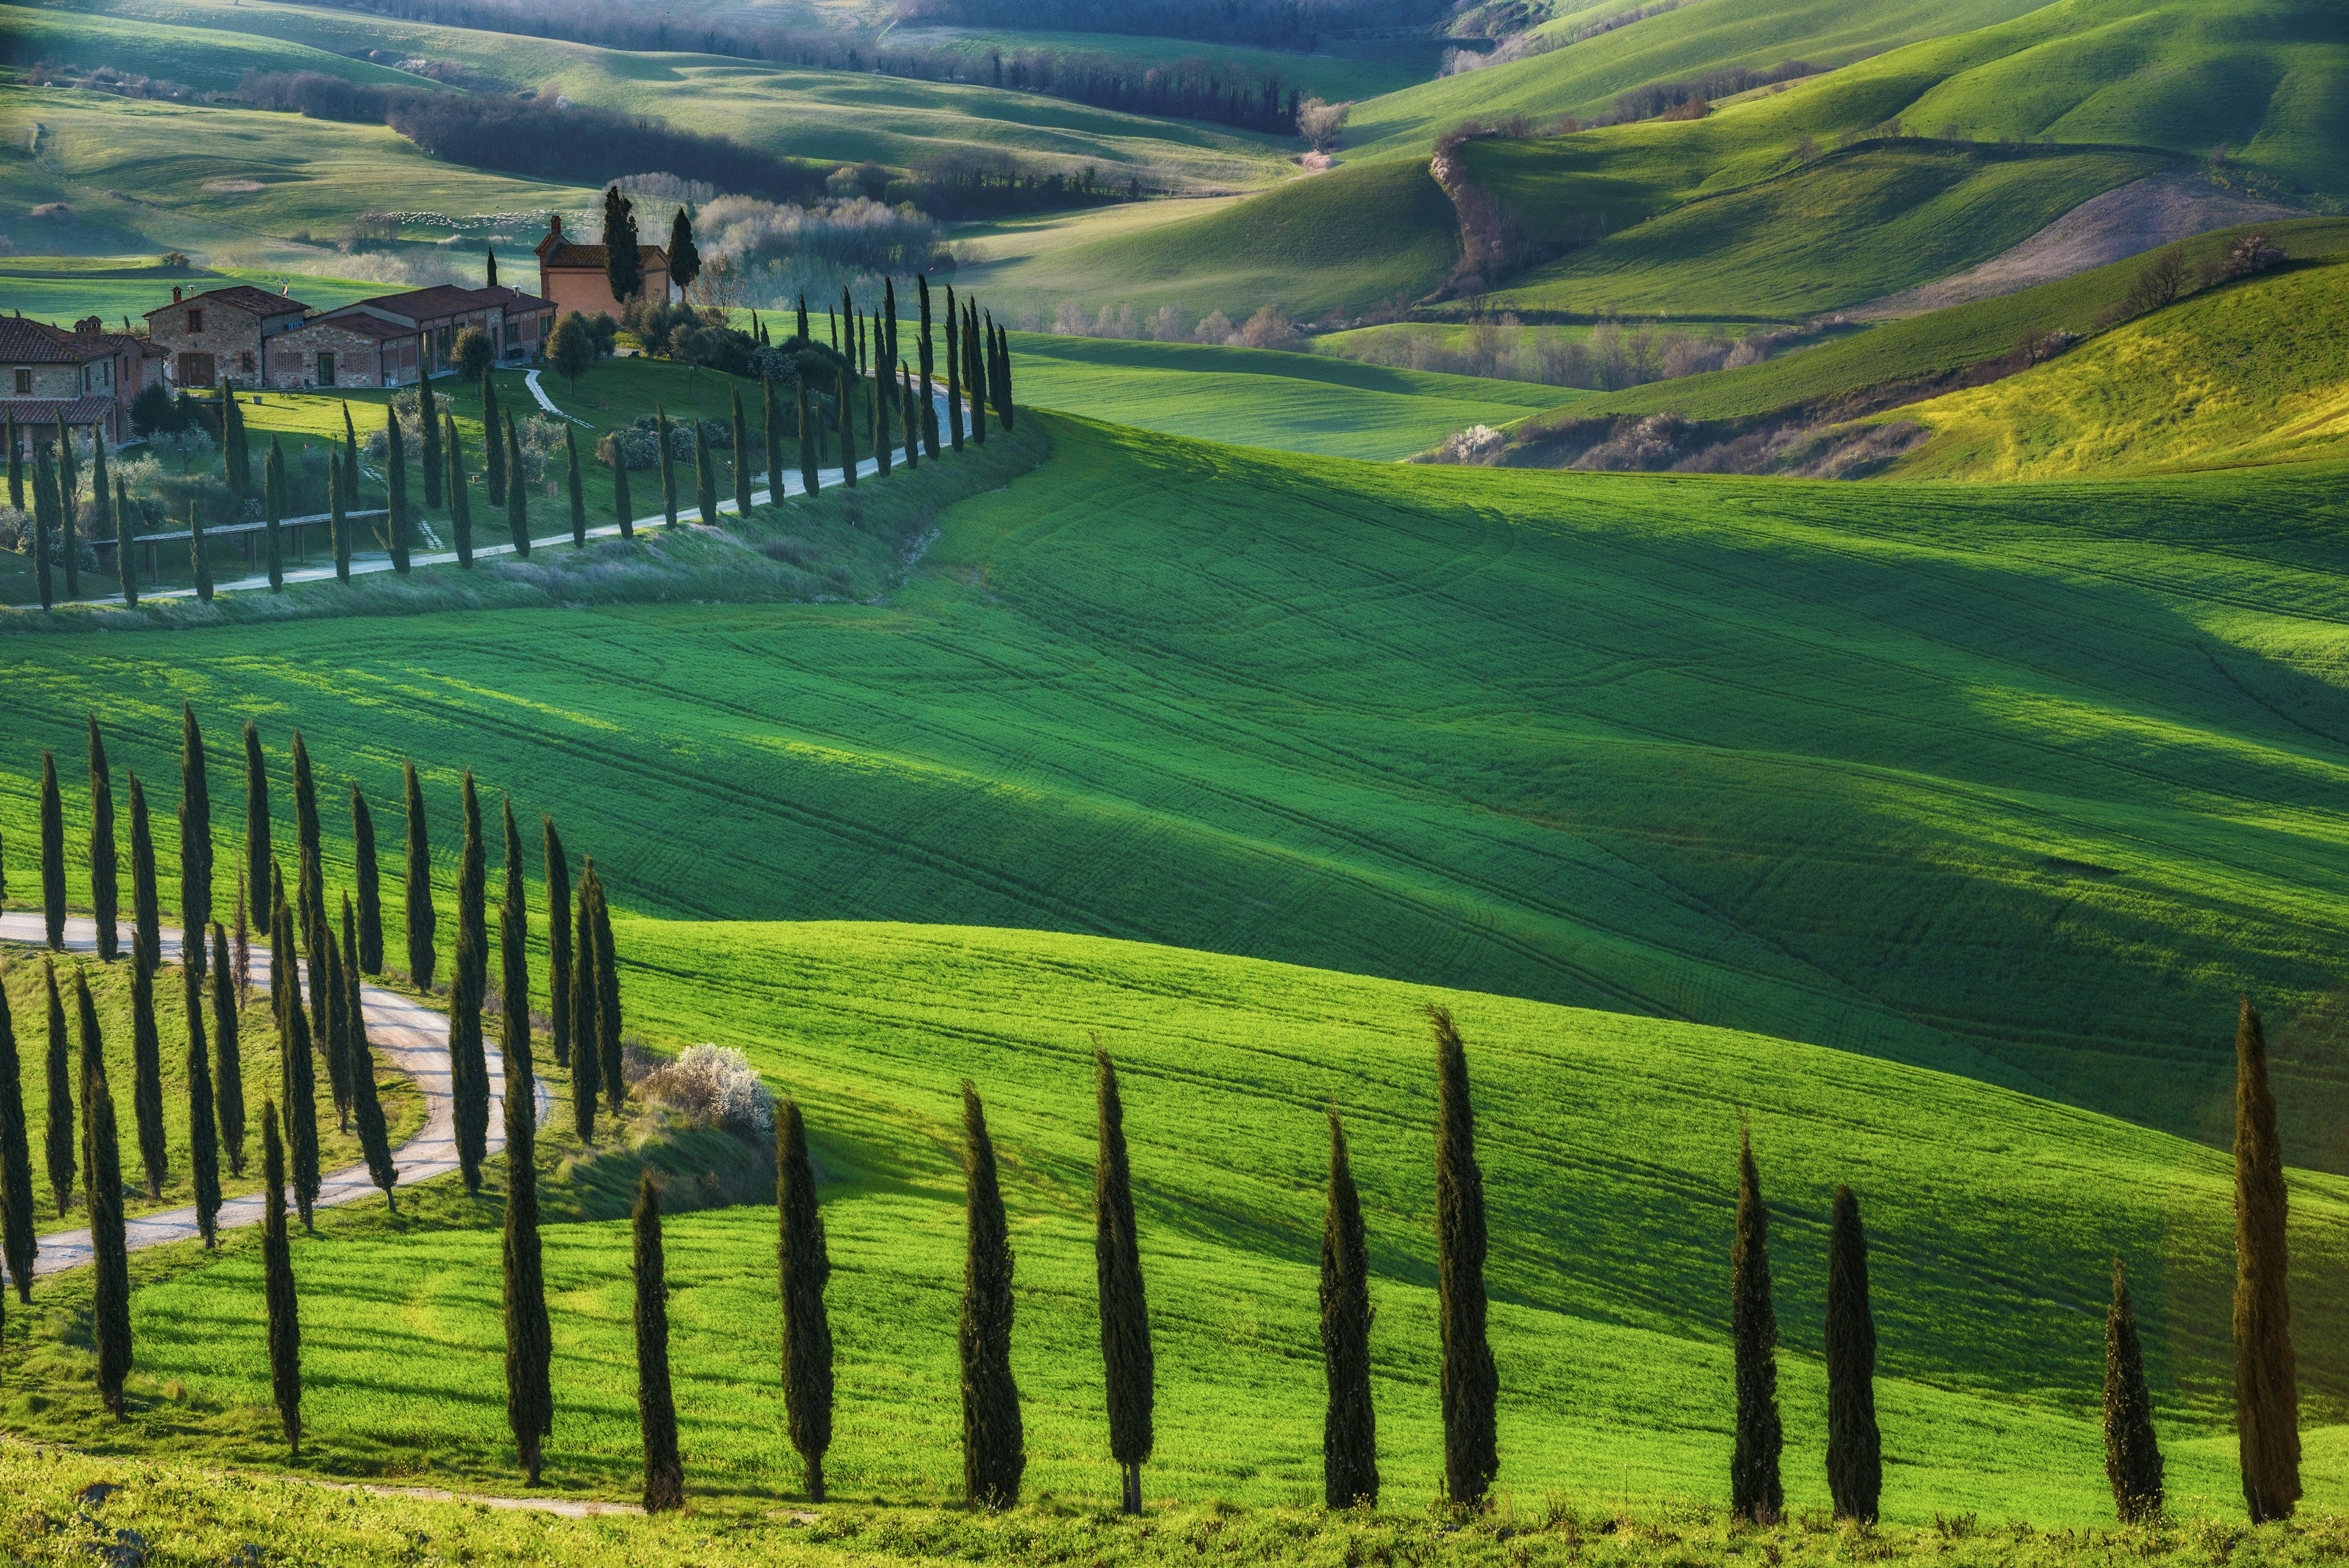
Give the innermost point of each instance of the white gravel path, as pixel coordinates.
(411, 1036)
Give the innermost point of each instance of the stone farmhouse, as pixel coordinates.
(572, 274)
(86, 376)
(247, 336)
(220, 334)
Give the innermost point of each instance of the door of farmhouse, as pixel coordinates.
(195, 369)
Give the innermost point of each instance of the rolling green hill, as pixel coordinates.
(2019, 782)
(1294, 402)
(2252, 372)
(62, 289)
(1608, 1149)
(204, 59)
(1338, 77)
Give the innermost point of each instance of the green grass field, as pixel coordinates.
(1336, 77)
(63, 289)
(1292, 402)
(2254, 372)
(1810, 759)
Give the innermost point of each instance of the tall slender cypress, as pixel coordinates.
(277, 1285)
(200, 562)
(704, 477)
(17, 1245)
(668, 466)
(68, 524)
(974, 377)
(105, 873)
(366, 1108)
(517, 494)
(228, 1079)
(101, 1182)
(1855, 1447)
(397, 521)
(882, 392)
(428, 449)
(147, 1074)
(810, 484)
(530, 1397)
(928, 362)
(339, 522)
(493, 451)
(1470, 1383)
(742, 458)
(333, 1026)
(204, 1130)
(258, 855)
(2132, 1455)
(195, 841)
(994, 1451)
(273, 512)
(350, 456)
(58, 1141)
(45, 521)
(608, 1006)
(297, 1081)
(1350, 1439)
(126, 563)
(572, 491)
(421, 920)
(953, 370)
(1129, 1367)
(469, 1071)
(1754, 1492)
(52, 855)
(243, 951)
(847, 408)
(369, 883)
(146, 901)
(623, 509)
(910, 408)
(310, 902)
(804, 1269)
(461, 499)
(773, 420)
(656, 1407)
(2267, 1397)
(586, 995)
(558, 942)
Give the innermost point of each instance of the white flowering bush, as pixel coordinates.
(715, 1086)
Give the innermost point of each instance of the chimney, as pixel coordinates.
(175, 294)
(555, 226)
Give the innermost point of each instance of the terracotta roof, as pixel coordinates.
(515, 299)
(24, 342)
(359, 322)
(242, 296)
(568, 255)
(28, 411)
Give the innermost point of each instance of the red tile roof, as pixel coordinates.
(30, 411)
(24, 342)
(242, 296)
(567, 255)
(515, 299)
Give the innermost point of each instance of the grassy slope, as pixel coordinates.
(1851, 228)
(205, 60)
(62, 289)
(1295, 402)
(141, 167)
(1334, 77)
(828, 115)
(2023, 782)
(1934, 344)
(1607, 1144)
(1345, 238)
(2255, 372)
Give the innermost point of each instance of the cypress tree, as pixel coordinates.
(577, 496)
(886, 326)
(1470, 1384)
(17, 1245)
(517, 494)
(350, 456)
(69, 473)
(244, 969)
(427, 450)
(772, 418)
(1003, 376)
(203, 1132)
(668, 467)
(804, 338)
(954, 372)
(493, 451)
(1349, 1445)
(809, 484)
(310, 906)
(277, 1285)
(909, 407)
(421, 920)
(195, 842)
(68, 524)
(461, 499)
(742, 458)
(371, 885)
(57, 1143)
(805, 1269)
(881, 443)
(622, 507)
(705, 478)
(656, 1408)
(1126, 1360)
(395, 490)
(929, 367)
(993, 1450)
(272, 510)
(146, 908)
(972, 374)
(607, 1005)
(2132, 1456)
(1754, 1493)
(52, 854)
(586, 995)
(147, 1074)
(126, 566)
(258, 855)
(530, 1399)
(333, 1026)
(200, 565)
(1855, 1448)
(17, 463)
(558, 943)
(105, 885)
(227, 1087)
(237, 448)
(339, 522)
(45, 521)
(2267, 1398)
(469, 1071)
(297, 1081)
(367, 1110)
(847, 432)
(102, 1200)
